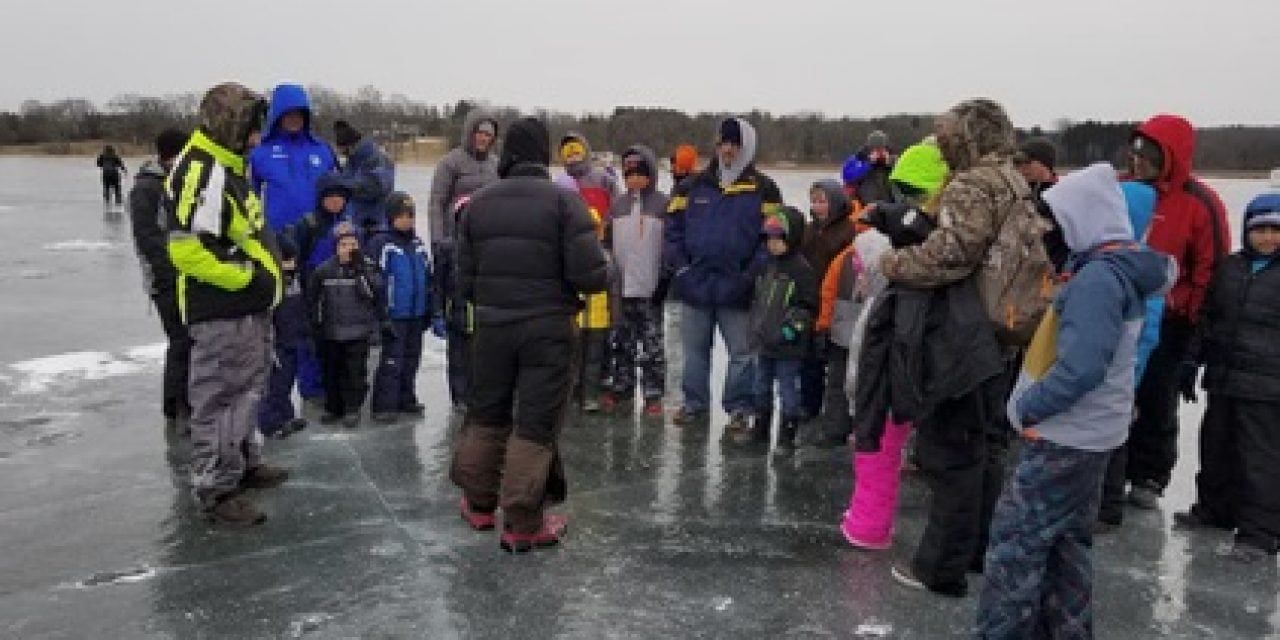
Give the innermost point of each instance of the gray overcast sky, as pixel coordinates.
(1214, 61)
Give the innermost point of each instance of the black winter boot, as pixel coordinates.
(787, 435)
(757, 432)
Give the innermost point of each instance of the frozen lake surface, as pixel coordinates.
(672, 534)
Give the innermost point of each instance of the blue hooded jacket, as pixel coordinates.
(285, 166)
(1141, 200)
(372, 176)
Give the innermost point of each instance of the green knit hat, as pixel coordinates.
(921, 167)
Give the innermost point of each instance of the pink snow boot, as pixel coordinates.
(868, 524)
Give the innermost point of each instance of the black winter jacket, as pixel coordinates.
(527, 248)
(921, 347)
(346, 301)
(785, 299)
(1238, 336)
(150, 238)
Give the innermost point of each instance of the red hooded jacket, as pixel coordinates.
(1182, 226)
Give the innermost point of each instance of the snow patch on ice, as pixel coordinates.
(126, 576)
(306, 623)
(721, 603)
(873, 630)
(6, 207)
(79, 245)
(39, 374)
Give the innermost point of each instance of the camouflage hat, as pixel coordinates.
(980, 127)
(229, 112)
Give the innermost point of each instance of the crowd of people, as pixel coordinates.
(933, 308)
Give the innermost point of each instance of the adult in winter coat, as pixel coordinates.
(635, 239)
(290, 159)
(527, 249)
(1190, 224)
(228, 281)
(1236, 341)
(463, 171)
(714, 253)
(151, 241)
(1036, 160)
(112, 167)
(369, 172)
(962, 446)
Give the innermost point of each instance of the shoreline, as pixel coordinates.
(411, 154)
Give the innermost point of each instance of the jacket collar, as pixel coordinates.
(224, 156)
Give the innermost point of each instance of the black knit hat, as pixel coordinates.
(527, 142)
(400, 202)
(169, 143)
(1038, 150)
(345, 134)
(731, 131)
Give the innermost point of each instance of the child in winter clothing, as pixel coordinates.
(635, 240)
(782, 313)
(1072, 405)
(597, 188)
(852, 285)
(314, 240)
(1236, 340)
(830, 231)
(405, 265)
(346, 301)
(1140, 198)
(276, 416)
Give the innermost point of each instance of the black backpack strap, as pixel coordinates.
(1195, 188)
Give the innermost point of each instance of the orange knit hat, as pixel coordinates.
(685, 160)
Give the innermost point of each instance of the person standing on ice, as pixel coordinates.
(714, 251)
(527, 249)
(229, 280)
(147, 217)
(1190, 224)
(369, 172)
(286, 169)
(460, 173)
(112, 167)
(597, 188)
(1072, 405)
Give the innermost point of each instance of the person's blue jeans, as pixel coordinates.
(276, 407)
(697, 327)
(787, 374)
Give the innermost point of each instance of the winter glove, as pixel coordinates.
(905, 226)
(438, 328)
(1188, 371)
(789, 333)
(388, 330)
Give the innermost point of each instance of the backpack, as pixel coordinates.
(1015, 280)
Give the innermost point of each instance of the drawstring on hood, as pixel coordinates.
(746, 155)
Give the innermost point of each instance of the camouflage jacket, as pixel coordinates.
(972, 206)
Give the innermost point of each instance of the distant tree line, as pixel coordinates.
(809, 138)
